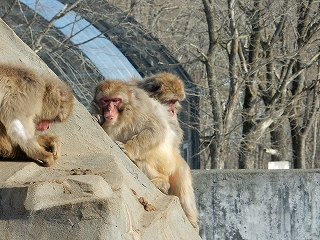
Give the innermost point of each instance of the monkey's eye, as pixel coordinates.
(116, 101)
(105, 101)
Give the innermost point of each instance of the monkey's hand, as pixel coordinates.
(98, 118)
(121, 146)
(52, 144)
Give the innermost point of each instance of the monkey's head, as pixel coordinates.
(167, 88)
(56, 107)
(112, 96)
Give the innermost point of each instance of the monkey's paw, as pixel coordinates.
(162, 185)
(98, 118)
(121, 146)
(50, 143)
(46, 161)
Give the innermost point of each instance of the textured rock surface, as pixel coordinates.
(92, 192)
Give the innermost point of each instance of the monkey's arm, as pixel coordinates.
(144, 142)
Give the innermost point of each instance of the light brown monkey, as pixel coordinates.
(168, 89)
(144, 127)
(29, 102)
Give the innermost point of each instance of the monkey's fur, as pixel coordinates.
(28, 101)
(164, 87)
(144, 127)
(168, 89)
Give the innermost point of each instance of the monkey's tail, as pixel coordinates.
(181, 186)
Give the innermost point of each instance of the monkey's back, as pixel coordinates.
(19, 88)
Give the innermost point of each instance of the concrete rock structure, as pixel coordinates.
(92, 192)
(258, 204)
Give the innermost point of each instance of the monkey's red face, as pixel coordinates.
(111, 107)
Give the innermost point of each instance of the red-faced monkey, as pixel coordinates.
(168, 89)
(29, 102)
(144, 127)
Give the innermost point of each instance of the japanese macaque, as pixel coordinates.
(168, 89)
(30, 102)
(144, 128)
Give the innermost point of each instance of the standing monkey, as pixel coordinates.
(144, 127)
(168, 89)
(29, 102)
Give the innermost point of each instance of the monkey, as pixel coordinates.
(144, 130)
(168, 89)
(31, 102)
(141, 124)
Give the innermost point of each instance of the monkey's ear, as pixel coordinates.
(62, 93)
(51, 89)
(152, 85)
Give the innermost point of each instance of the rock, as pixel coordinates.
(93, 192)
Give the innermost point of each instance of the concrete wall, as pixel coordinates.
(266, 204)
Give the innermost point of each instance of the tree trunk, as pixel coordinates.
(216, 144)
(279, 142)
(298, 149)
(248, 145)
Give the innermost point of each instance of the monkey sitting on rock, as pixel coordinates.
(28, 102)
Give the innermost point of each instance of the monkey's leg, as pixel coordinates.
(160, 180)
(34, 151)
(7, 149)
